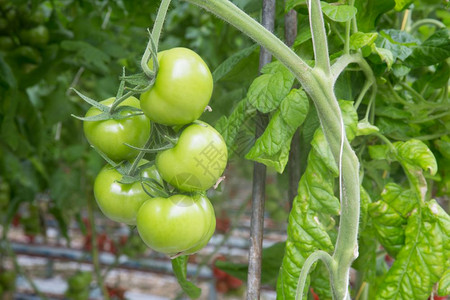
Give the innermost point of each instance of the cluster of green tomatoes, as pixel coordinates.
(168, 203)
(23, 33)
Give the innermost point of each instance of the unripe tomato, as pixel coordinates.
(176, 225)
(182, 89)
(110, 136)
(197, 160)
(37, 36)
(121, 202)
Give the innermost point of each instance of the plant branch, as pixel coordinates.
(317, 255)
(319, 87)
(319, 36)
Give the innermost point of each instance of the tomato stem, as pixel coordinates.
(319, 84)
(134, 166)
(152, 47)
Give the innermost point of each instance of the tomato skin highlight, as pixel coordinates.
(110, 136)
(182, 89)
(121, 202)
(180, 224)
(197, 160)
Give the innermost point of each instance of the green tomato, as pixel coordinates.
(110, 136)
(79, 281)
(197, 160)
(121, 202)
(176, 225)
(182, 89)
(37, 36)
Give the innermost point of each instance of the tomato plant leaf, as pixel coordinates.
(416, 153)
(272, 148)
(87, 55)
(269, 89)
(399, 42)
(7, 79)
(361, 39)
(369, 12)
(290, 4)
(338, 12)
(444, 284)
(179, 266)
(225, 67)
(389, 216)
(229, 127)
(434, 50)
(401, 4)
(320, 282)
(423, 259)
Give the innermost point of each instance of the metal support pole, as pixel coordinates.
(259, 179)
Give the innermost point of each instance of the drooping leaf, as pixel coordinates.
(416, 153)
(179, 266)
(389, 216)
(272, 148)
(423, 259)
(315, 204)
(269, 89)
(338, 12)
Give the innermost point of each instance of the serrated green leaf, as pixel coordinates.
(361, 39)
(305, 235)
(399, 43)
(338, 12)
(269, 89)
(385, 55)
(179, 266)
(389, 216)
(272, 148)
(434, 50)
(230, 127)
(423, 259)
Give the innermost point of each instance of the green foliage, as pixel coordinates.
(179, 266)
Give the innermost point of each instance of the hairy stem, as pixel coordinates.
(318, 83)
(318, 255)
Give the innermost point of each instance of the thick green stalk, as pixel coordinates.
(318, 84)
